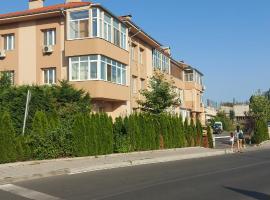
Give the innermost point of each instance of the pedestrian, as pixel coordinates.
(232, 141)
(239, 136)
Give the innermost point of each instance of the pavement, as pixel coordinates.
(19, 171)
(240, 176)
(14, 172)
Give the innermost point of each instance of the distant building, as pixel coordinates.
(240, 111)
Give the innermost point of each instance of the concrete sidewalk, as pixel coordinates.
(37, 169)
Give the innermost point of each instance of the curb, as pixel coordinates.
(148, 161)
(121, 164)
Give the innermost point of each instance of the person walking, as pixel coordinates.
(239, 136)
(232, 139)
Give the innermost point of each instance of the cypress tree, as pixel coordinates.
(7, 139)
(209, 137)
(40, 124)
(260, 131)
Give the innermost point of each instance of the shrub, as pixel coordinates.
(260, 132)
(210, 137)
(7, 139)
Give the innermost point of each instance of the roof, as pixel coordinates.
(57, 7)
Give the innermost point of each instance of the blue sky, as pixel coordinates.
(227, 40)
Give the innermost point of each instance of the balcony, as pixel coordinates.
(103, 90)
(89, 46)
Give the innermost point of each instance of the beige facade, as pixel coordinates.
(108, 56)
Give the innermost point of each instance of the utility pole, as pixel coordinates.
(26, 110)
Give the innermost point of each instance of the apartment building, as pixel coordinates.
(109, 56)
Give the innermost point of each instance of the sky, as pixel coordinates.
(227, 40)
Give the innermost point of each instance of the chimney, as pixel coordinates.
(71, 1)
(33, 4)
(127, 17)
(167, 50)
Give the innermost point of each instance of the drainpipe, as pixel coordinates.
(130, 77)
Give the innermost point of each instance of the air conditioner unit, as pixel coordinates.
(48, 49)
(2, 54)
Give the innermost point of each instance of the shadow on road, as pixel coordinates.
(253, 194)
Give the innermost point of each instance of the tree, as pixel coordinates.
(5, 80)
(210, 137)
(260, 131)
(226, 122)
(7, 139)
(232, 115)
(160, 96)
(260, 107)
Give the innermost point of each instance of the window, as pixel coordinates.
(79, 24)
(49, 76)
(116, 32)
(9, 42)
(123, 37)
(9, 74)
(141, 56)
(134, 84)
(97, 67)
(160, 61)
(133, 46)
(107, 29)
(49, 37)
(94, 22)
(142, 84)
(103, 25)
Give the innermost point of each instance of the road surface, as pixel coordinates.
(241, 176)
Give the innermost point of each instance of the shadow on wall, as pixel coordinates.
(253, 194)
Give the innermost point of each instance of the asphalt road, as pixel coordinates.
(242, 176)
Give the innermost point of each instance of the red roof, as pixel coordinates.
(56, 7)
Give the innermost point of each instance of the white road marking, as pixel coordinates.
(27, 193)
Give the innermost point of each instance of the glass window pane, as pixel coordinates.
(75, 59)
(116, 24)
(93, 70)
(79, 15)
(124, 78)
(84, 71)
(109, 72)
(84, 28)
(51, 76)
(75, 71)
(94, 28)
(103, 58)
(103, 71)
(113, 74)
(94, 12)
(73, 29)
(110, 33)
(118, 78)
(107, 18)
(84, 58)
(45, 76)
(93, 57)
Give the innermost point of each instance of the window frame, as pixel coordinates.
(96, 27)
(46, 71)
(78, 24)
(46, 37)
(107, 63)
(7, 39)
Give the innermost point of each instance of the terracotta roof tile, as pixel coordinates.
(45, 9)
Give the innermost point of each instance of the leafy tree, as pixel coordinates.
(5, 80)
(260, 107)
(160, 96)
(210, 137)
(260, 131)
(226, 122)
(7, 139)
(232, 115)
(267, 94)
